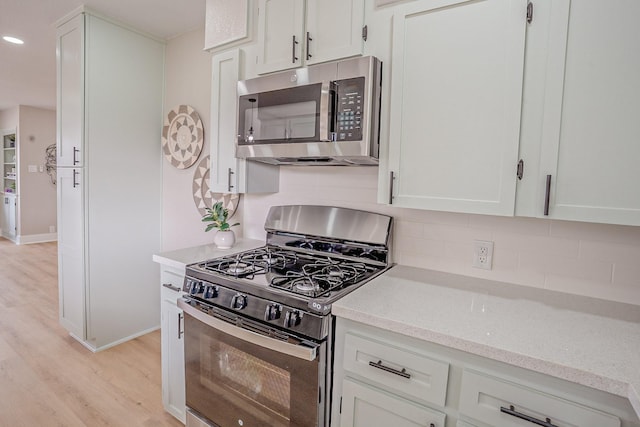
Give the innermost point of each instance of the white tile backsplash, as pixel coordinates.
(596, 260)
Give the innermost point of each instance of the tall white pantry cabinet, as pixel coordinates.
(109, 119)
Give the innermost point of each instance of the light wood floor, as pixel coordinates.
(46, 377)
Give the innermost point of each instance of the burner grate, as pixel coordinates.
(247, 265)
(320, 277)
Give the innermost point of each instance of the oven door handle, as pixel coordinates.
(298, 351)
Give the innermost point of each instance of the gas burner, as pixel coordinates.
(305, 285)
(238, 268)
(235, 267)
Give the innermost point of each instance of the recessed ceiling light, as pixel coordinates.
(12, 40)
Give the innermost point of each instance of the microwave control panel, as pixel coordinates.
(350, 102)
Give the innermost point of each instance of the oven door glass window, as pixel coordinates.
(234, 382)
(283, 116)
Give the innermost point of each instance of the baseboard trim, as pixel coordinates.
(115, 343)
(36, 238)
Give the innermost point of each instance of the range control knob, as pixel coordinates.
(238, 302)
(210, 292)
(272, 312)
(195, 287)
(292, 318)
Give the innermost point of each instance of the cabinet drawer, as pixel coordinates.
(171, 284)
(397, 369)
(482, 397)
(364, 406)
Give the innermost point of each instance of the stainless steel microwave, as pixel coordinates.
(325, 114)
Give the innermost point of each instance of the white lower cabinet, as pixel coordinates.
(365, 406)
(382, 379)
(172, 335)
(498, 402)
(396, 369)
(381, 382)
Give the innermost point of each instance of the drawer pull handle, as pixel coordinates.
(512, 411)
(403, 373)
(170, 286)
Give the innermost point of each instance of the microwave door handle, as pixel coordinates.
(298, 351)
(325, 112)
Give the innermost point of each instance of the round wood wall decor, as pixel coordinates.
(182, 136)
(203, 197)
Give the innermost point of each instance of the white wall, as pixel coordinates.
(595, 260)
(187, 81)
(36, 131)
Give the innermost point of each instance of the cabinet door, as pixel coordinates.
(227, 173)
(224, 100)
(9, 217)
(590, 149)
(70, 87)
(364, 406)
(456, 90)
(280, 34)
(172, 335)
(333, 30)
(71, 273)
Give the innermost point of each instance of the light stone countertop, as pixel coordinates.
(584, 340)
(181, 257)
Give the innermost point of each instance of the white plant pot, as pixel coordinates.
(224, 239)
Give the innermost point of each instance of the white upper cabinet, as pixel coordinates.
(334, 30)
(590, 152)
(226, 23)
(290, 36)
(229, 174)
(70, 112)
(456, 93)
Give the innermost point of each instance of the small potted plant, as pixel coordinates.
(217, 216)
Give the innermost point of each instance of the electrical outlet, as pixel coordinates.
(482, 254)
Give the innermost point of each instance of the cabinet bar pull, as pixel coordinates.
(294, 58)
(229, 186)
(391, 178)
(511, 411)
(520, 169)
(75, 159)
(180, 331)
(170, 286)
(403, 373)
(547, 194)
(308, 49)
(529, 12)
(75, 183)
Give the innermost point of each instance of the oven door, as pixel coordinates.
(237, 377)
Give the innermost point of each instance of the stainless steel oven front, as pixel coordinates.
(239, 373)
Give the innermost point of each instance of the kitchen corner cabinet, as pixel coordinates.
(228, 173)
(456, 93)
(292, 33)
(382, 378)
(172, 336)
(109, 118)
(589, 144)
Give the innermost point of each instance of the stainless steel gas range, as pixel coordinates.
(258, 325)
